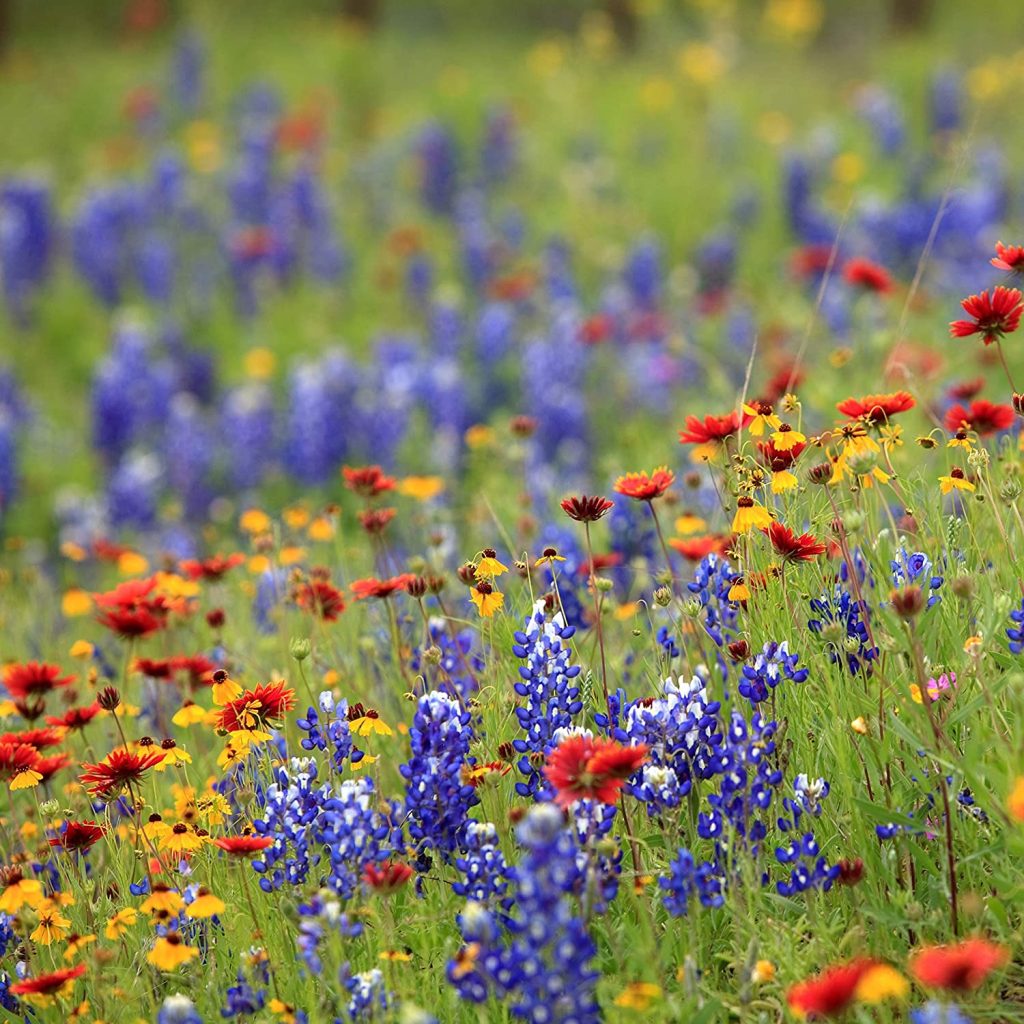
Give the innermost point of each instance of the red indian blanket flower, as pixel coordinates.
(601, 561)
(596, 769)
(586, 508)
(75, 718)
(45, 986)
(212, 568)
(368, 481)
(120, 768)
(391, 875)
(877, 408)
(257, 709)
(983, 417)
(965, 390)
(155, 668)
(243, 846)
(131, 610)
(867, 275)
(961, 968)
(992, 316)
(321, 598)
(78, 835)
(33, 677)
(375, 520)
(829, 993)
(643, 487)
(49, 766)
(16, 758)
(38, 738)
(695, 548)
(373, 587)
(712, 429)
(792, 548)
(1009, 257)
(777, 459)
(197, 668)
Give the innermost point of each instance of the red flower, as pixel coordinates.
(368, 481)
(375, 520)
(696, 548)
(243, 846)
(75, 718)
(776, 460)
(586, 509)
(78, 835)
(606, 561)
(198, 667)
(211, 568)
(983, 417)
(992, 316)
(391, 875)
(596, 329)
(867, 275)
(791, 548)
(155, 668)
(321, 598)
(55, 983)
(130, 611)
(33, 677)
(257, 709)
(829, 993)
(1009, 257)
(643, 487)
(38, 738)
(49, 766)
(120, 768)
(962, 967)
(877, 408)
(788, 378)
(584, 767)
(967, 389)
(16, 758)
(712, 429)
(372, 587)
(810, 260)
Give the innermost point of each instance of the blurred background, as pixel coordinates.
(216, 215)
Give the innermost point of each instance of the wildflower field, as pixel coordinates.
(512, 515)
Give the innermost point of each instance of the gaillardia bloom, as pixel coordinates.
(243, 846)
(960, 968)
(582, 767)
(792, 548)
(586, 508)
(983, 417)
(33, 678)
(991, 316)
(119, 769)
(877, 408)
(643, 487)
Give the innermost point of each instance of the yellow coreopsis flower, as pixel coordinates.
(189, 714)
(163, 898)
(489, 567)
(182, 839)
(689, 523)
(750, 516)
(75, 602)
(76, 943)
(52, 925)
(259, 363)
(321, 529)
(764, 418)
(1015, 801)
(170, 952)
(783, 481)
(422, 488)
(205, 905)
(486, 599)
(225, 689)
(785, 439)
(638, 995)
(131, 563)
(956, 481)
(118, 925)
(254, 520)
(370, 725)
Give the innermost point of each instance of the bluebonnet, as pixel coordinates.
(840, 620)
(642, 274)
(945, 101)
(485, 872)
(247, 433)
(880, 110)
(541, 962)
(459, 664)
(322, 832)
(369, 998)
(939, 1013)
(243, 998)
(188, 456)
(133, 491)
(27, 238)
(437, 800)
(911, 567)
(1015, 634)
(713, 579)
(548, 685)
(438, 167)
(178, 1009)
(189, 64)
(320, 917)
(333, 731)
(687, 879)
(499, 147)
(8, 461)
(770, 666)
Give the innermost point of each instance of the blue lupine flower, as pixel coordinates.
(840, 620)
(1015, 634)
(178, 1009)
(771, 665)
(910, 567)
(369, 998)
(438, 166)
(437, 801)
(939, 1013)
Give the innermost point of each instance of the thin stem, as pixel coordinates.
(597, 615)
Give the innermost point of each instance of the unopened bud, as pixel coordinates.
(109, 698)
(907, 602)
(663, 597)
(300, 648)
(432, 655)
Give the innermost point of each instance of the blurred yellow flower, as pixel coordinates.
(322, 528)
(701, 63)
(254, 520)
(1015, 801)
(75, 602)
(259, 363)
(795, 19)
(638, 995)
(202, 143)
(131, 563)
(423, 488)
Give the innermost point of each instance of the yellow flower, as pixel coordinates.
(489, 567)
(76, 944)
(764, 971)
(880, 983)
(254, 520)
(859, 726)
(231, 755)
(82, 649)
(189, 714)
(259, 363)
(486, 599)
(296, 516)
(892, 436)
(370, 725)
(394, 955)
(26, 778)
(657, 94)
(8, 708)
(75, 602)
(258, 565)
(291, 554)
(479, 435)
(202, 143)
(170, 952)
(961, 440)
(131, 563)
(638, 995)
(285, 1011)
(225, 690)
(205, 905)
(701, 63)
(956, 481)
(52, 926)
(1015, 801)
(750, 516)
(847, 168)
(783, 481)
(786, 438)
(73, 551)
(739, 591)
(973, 646)
(181, 839)
(322, 528)
(422, 488)
(689, 523)
(162, 898)
(172, 756)
(118, 925)
(764, 419)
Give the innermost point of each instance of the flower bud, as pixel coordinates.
(49, 808)
(300, 648)
(692, 606)
(432, 655)
(467, 573)
(850, 871)
(962, 587)
(1018, 404)
(739, 650)
(1010, 489)
(663, 597)
(417, 587)
(820, 473)
(907, 602)
(109, 698)
(603, 584)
